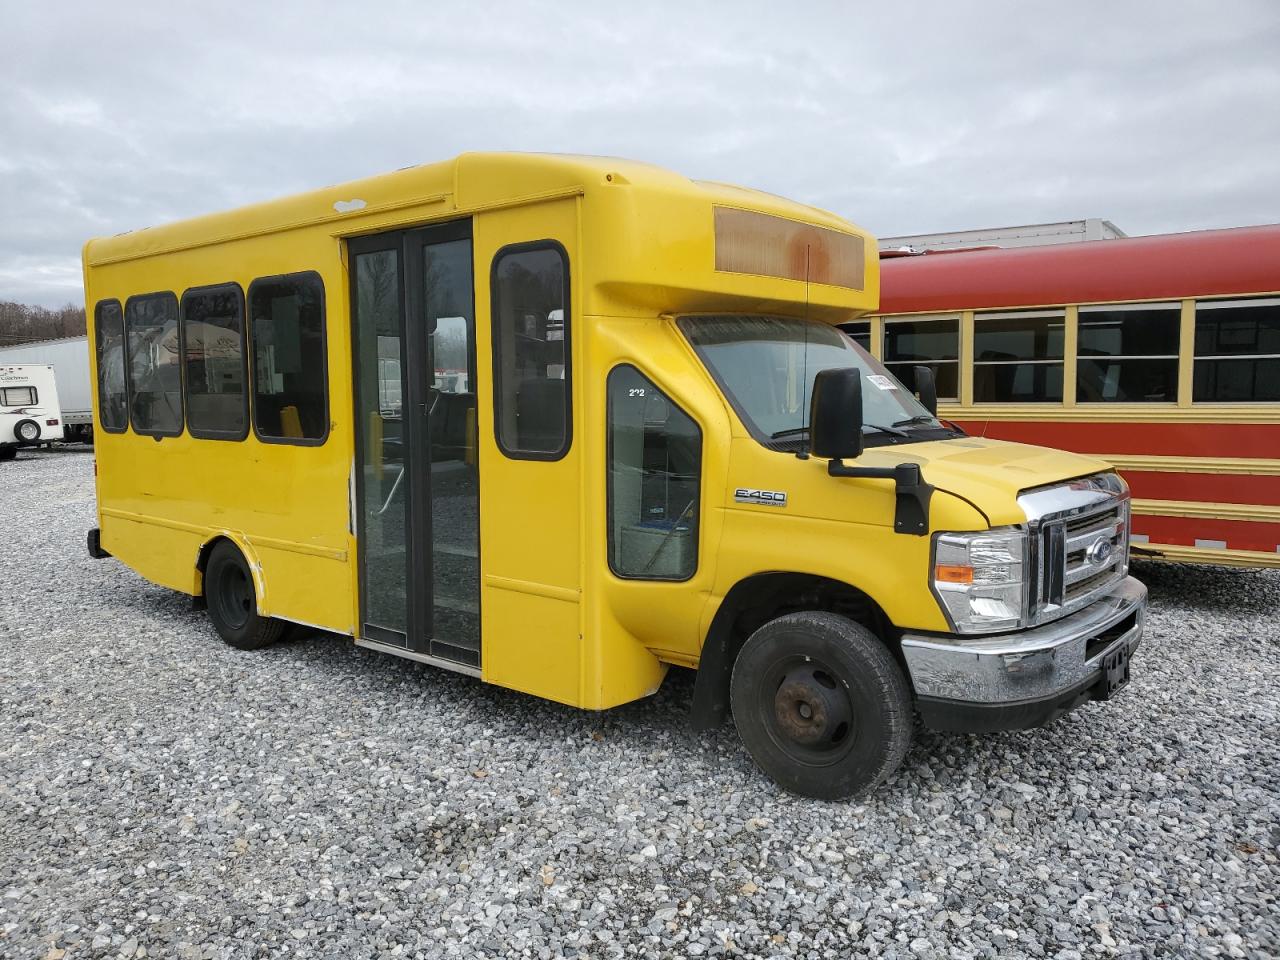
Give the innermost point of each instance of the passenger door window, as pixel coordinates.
(531, 351)
(654, 464)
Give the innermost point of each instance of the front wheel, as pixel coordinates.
(821, 705)
(232, 601)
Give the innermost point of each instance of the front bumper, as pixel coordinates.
(1026, 679)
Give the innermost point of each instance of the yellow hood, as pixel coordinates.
(988, 473)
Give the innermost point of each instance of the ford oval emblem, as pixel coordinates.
(1100, 552)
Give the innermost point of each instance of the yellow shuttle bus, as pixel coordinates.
(561, 422)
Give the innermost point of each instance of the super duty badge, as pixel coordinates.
(769, 498)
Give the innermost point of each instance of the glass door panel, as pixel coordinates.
(413, 308)
(384, 477)
(455, 490)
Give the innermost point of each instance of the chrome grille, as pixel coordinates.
(1080, 533)
(1084, 569)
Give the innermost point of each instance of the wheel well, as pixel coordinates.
(202, 562)
(755, 601)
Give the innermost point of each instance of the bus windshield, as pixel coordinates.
(766, 367)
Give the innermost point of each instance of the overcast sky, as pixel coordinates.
(904, 117)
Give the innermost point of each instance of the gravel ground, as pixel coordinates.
(163, 795)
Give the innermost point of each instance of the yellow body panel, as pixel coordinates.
(555, 621)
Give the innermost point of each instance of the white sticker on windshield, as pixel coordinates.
(884, 383)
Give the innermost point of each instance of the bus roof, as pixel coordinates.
(467, 183)
(654, 240)
(1240, 260)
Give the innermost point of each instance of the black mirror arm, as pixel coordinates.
(912, 512)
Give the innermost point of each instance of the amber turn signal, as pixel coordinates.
(947, 573)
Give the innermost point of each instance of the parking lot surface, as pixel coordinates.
(164, 795)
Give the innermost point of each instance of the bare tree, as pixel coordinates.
(22, 323)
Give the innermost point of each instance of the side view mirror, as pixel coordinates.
(835, 414)
(927, 388)
(835, 431)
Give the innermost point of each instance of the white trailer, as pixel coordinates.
(69, 358)
(29, 410)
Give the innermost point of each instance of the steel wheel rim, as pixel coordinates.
(807, 710)
(234, 596)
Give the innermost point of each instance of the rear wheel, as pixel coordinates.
(232, 601)
(821, 705)
(28, 431)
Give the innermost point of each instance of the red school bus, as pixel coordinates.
(1160, 354)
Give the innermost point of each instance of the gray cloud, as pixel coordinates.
(904, 118)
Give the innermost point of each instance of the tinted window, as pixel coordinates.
(928, 343)
(289, 368)
(155, 376)
(531, 351)
(18, 397)
(1237, 351)
(1128, 355)
(859, 332)
(655, 451)
(1018, 357)
(215, 371)
(113, 400)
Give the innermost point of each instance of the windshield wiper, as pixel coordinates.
(892, 431)
(938, 424)
(918, 418)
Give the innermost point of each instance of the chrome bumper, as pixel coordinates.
(1034, 664)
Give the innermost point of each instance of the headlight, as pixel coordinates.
(980, 579)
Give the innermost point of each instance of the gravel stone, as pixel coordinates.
(163, 795)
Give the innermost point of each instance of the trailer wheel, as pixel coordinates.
(8, 453)
(232, 601)
(821, 705)
(28, 431)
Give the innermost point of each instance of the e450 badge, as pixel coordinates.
(768, 498)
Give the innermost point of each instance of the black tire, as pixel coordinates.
(232, 601)
(821, 705)
(8, 453)
(28, 431)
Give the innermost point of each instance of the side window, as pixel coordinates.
(1128, 354)
(530, 291)
(214, 367)
(1237, 351)
(155, 376)
(654, 465)
(18, 397)
(1017, 357)
(931, 343)
(859, 332)
(113, 400)
(290, 367)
